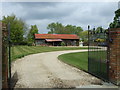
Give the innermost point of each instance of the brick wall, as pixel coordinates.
(4, 57)
(0, 55)
(114, 63)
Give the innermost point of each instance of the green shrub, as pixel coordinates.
(23, 43)
(62, 44)
(29, 43)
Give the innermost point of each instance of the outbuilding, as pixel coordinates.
(56, 39)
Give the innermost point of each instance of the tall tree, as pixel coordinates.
(116, 22)
(58, 28)
(51, 27)
(33, 30)
(17, 27)
(99, 30)
(84, 36)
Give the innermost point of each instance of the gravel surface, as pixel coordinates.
(44, 70)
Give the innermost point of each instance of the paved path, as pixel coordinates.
(44, 70)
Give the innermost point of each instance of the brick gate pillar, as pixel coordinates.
(114, 56)
(4, 57)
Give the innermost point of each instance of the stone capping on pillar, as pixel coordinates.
(114, 56)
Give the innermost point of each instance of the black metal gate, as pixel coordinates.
(98, 55)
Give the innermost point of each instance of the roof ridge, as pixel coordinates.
(61, 36)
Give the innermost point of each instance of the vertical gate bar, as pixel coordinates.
(88, 48)
(106, 47)
(97, 53)
(9, 42)
(108, 52)
(93, 43)
(104, 59)
(100, 51)
(93, 46)
(104, 52)
(92, 50)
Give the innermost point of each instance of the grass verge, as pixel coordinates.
(97, 62)
(21, 51)
(79, 59)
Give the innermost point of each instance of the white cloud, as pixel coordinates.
(0, 11)
(75, 13)
(41, 24)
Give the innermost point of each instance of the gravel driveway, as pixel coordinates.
(44, 70)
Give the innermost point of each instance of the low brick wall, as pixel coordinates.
(114, 56)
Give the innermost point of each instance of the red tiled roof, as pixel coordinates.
(56, 36)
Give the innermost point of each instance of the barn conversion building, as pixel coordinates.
(56, 39)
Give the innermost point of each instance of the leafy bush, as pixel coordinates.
(29, 43)
(62, 44)
(85, 43)
(23, 43)
(100, 40)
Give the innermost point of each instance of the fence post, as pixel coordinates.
(114, 63)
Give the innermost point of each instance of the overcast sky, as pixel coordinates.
(74, 13)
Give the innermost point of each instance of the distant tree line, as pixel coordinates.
(19, 28)
(58, 28)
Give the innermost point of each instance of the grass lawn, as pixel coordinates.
(79, 59)
(98, 64)
(21, 51)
